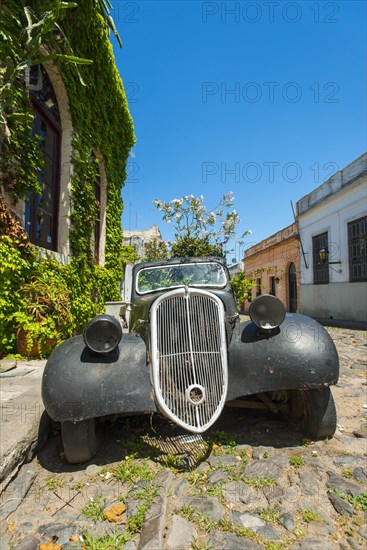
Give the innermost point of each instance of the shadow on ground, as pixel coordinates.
(156, 438)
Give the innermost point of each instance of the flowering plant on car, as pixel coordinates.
(197, 228)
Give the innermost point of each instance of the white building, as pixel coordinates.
(139, 238)
(333, 231)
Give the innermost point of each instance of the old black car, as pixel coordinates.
(186, 355)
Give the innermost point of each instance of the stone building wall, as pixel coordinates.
(138, 238)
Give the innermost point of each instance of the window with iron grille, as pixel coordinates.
(320, 268)
(357, 245)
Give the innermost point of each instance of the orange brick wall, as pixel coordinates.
(277, 252)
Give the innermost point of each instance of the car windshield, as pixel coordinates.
(168, 276)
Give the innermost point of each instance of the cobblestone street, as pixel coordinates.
(251, 482)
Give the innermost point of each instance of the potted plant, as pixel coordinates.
(46, 319)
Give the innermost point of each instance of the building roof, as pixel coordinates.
(277, 238)
(338, 181)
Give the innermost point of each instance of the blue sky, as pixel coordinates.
(265, 99)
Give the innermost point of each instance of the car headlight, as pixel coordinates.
(102, 334)
(267, 312)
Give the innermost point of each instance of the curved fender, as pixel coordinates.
(78, 384)
(300, 354)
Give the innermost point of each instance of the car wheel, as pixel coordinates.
(314, 412)
(79, 440)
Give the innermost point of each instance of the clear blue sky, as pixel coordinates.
(265, 99)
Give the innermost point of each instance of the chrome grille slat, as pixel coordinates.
(189, 349)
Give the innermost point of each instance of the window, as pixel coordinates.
(258, 287)
(320, 268)
(41, 212)
(357, 245)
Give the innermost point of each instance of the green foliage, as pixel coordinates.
(155, 249)
(241, 285)
(146, 496)
(128, 254)
(259, 482)
(359, 501)
(133, 470)
(296, 461)
(116, 541)
(53, 483)
(223, 438)
(24, 33)
(94, 509)
(47, 300)
(195, 247)
(310, 515)
(68, 34)
(269, 514)
(15, 269)
(207, 524)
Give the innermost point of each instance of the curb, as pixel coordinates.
(24, 423)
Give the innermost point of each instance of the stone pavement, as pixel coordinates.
(251, 482)
(21, 413)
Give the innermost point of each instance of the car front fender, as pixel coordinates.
(300, 354)
(78, 384)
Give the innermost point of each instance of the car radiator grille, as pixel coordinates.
(189, 357)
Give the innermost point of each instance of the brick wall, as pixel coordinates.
(275, 255)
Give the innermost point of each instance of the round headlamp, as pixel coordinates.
(267, 312)
(102, 334)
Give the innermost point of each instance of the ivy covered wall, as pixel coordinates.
(101, 123)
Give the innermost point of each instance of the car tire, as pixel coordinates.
(79, 440)
(314, 412)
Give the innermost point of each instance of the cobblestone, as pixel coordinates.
(247, 495)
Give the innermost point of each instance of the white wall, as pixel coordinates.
(330, 208)
(333, 215)
(346, 301)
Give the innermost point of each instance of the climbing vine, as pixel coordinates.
(68, 34)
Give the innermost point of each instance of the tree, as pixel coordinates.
(199, 231)
(156, 249)
(241, 286)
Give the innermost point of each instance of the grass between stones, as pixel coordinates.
(52, 483)
(259, 482)
(146, 497)
(208, 525)
(359, 502)
(133, 470)
(271, 515)
(107, 542)
(94, 509)
(310, 515)
(296, 461)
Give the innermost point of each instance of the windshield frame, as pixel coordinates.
(180, 264)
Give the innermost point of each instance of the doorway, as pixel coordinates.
(292, 285)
